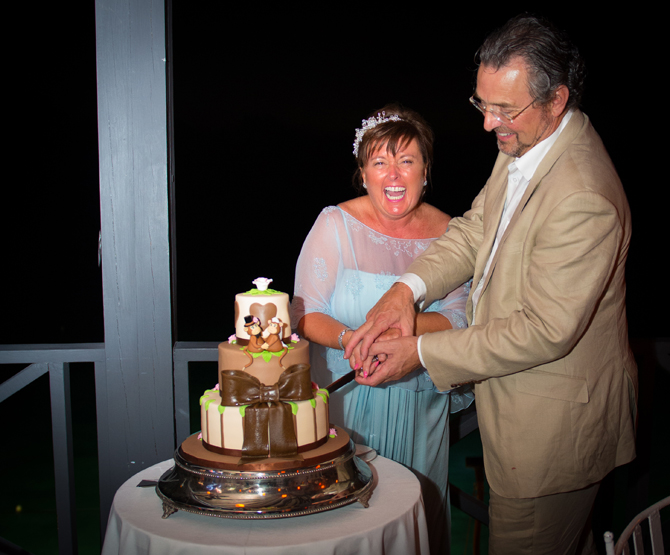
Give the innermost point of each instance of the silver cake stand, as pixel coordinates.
(271, 494)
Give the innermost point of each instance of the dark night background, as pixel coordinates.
(266, 101)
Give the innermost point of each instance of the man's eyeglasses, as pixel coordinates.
(502, 117)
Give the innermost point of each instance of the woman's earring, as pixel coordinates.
(365, 185)
(425, 183)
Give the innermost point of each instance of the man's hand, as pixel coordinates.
(402, 357)
(369, 365)
(394, 310)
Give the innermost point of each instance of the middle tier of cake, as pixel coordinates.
(266, 366)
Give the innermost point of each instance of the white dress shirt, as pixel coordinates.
(520, 172)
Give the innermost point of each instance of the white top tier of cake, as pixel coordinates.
(265, 305)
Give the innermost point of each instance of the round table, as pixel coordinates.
(394, 523)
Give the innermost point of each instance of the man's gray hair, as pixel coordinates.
(550, 56)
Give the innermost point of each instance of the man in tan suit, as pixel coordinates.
(545, 242)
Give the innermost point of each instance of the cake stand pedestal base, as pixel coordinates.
(258, 494)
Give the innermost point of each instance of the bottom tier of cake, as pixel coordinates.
(223, 427)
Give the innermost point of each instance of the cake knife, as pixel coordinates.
(344, 380)
(340, 382)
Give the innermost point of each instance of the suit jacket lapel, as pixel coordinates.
(493, 208)
(565, 139)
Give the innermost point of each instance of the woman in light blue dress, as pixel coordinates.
(351, 257)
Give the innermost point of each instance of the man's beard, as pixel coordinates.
(518, 149)
(515, 149)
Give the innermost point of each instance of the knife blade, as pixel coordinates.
(340, 382)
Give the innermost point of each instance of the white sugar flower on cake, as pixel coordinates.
(262, 283)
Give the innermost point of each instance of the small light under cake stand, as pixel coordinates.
(324, 482)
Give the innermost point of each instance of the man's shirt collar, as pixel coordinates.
(528, 163)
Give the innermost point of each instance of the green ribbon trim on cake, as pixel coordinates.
(313, 403)
(266, 292)
(267, 355)
(243, 409)
(323, 393)
(205, 396)
(294, 407)
(221, 409)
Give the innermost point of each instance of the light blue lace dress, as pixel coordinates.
(343, 270)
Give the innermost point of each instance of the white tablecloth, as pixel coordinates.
(393, 524)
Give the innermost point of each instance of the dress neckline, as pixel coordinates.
(379, 232)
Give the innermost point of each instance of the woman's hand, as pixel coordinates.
(394, 310)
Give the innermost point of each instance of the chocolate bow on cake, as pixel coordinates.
(268, 418)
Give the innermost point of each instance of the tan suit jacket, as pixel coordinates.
(556, 380)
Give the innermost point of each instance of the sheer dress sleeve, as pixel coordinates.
(317, 268)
